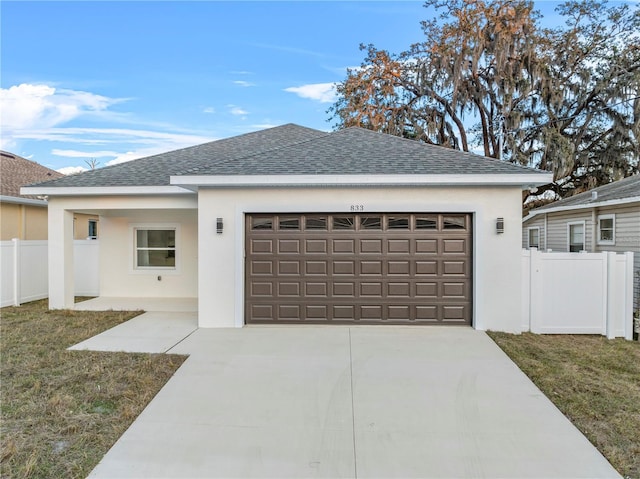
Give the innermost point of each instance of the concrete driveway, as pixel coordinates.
(347, 402)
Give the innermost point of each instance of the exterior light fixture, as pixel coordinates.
(499, 225)
(219, 226)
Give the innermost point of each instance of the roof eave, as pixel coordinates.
(523, 180)
(583, 206)
(103, 190)
(23, 201)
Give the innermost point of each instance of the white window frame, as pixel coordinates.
(612, 241)
(133, 250)
(89, 235)
(584, 234)
(529, 237)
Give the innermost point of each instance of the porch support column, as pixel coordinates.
(61, 280)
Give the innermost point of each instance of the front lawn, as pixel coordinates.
(594, 381)
(62, 410)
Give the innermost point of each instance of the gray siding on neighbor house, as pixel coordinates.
(627, 228)
(536, 222)
(557, 234)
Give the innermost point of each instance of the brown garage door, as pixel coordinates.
(358, 268)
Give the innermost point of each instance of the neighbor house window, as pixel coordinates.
(92, 229)
(155, 248)
(607, 229)
(576, 237)
(534, 238)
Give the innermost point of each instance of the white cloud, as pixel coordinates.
(322, 92)
(83, 154)
(128, 144)
(236, 110)
(71, 170)
(28, 106)
(209, 109)
(244, 83)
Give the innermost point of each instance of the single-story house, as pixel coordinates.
(606, 218)
(25, 216)
(296, 225)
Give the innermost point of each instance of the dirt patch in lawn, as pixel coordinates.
(62, 410)
(594, 381)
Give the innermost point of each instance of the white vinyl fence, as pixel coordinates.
(24, 270)
(578, 293)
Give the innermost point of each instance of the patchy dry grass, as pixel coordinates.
(62, 410)
(595, 382)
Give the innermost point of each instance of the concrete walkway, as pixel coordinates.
(166, 322)
(347, 402)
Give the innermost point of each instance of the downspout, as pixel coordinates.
(545, 232)
(593, 229)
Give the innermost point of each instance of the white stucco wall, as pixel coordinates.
(117, 214)
(496, 265)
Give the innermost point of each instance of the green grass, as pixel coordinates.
(594, 381)
(62, 410)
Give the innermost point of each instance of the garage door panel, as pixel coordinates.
(344, 268)
(427, 312)
(261, 268)
(399, 313)
(344, 312)
(288, 268)
(318, 246)
(262, 312)
(289, 311)
(289, 289)
(263, 289)
(371, 246)
(426, 268)
(342, 289)
(289, 246)
(453, 268)
(342, 246)
(316, 268)
(261, 246)
(400, 290)
(453, 312)
(427, 290)
(317, 312)
(399, 246)
(454, 290)
(368, 268)
(454, 246)
(399, 268)
(358, 268)
(427, 246)
(316, 289)
(371, 289)
(371, 312)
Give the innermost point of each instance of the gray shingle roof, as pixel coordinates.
(618, 190)
(295, 150)
(357, 151)
(155, 170)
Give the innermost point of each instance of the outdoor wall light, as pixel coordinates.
(499, 225)
(219, 225)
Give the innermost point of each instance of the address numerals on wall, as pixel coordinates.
(356, 208)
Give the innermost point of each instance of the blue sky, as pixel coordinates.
(114, 81)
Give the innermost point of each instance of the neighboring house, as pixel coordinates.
(22, 216)
(25, 216)
(294, 225)
(602, 219)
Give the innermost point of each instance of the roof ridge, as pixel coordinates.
(262, 152)
(469, 154)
